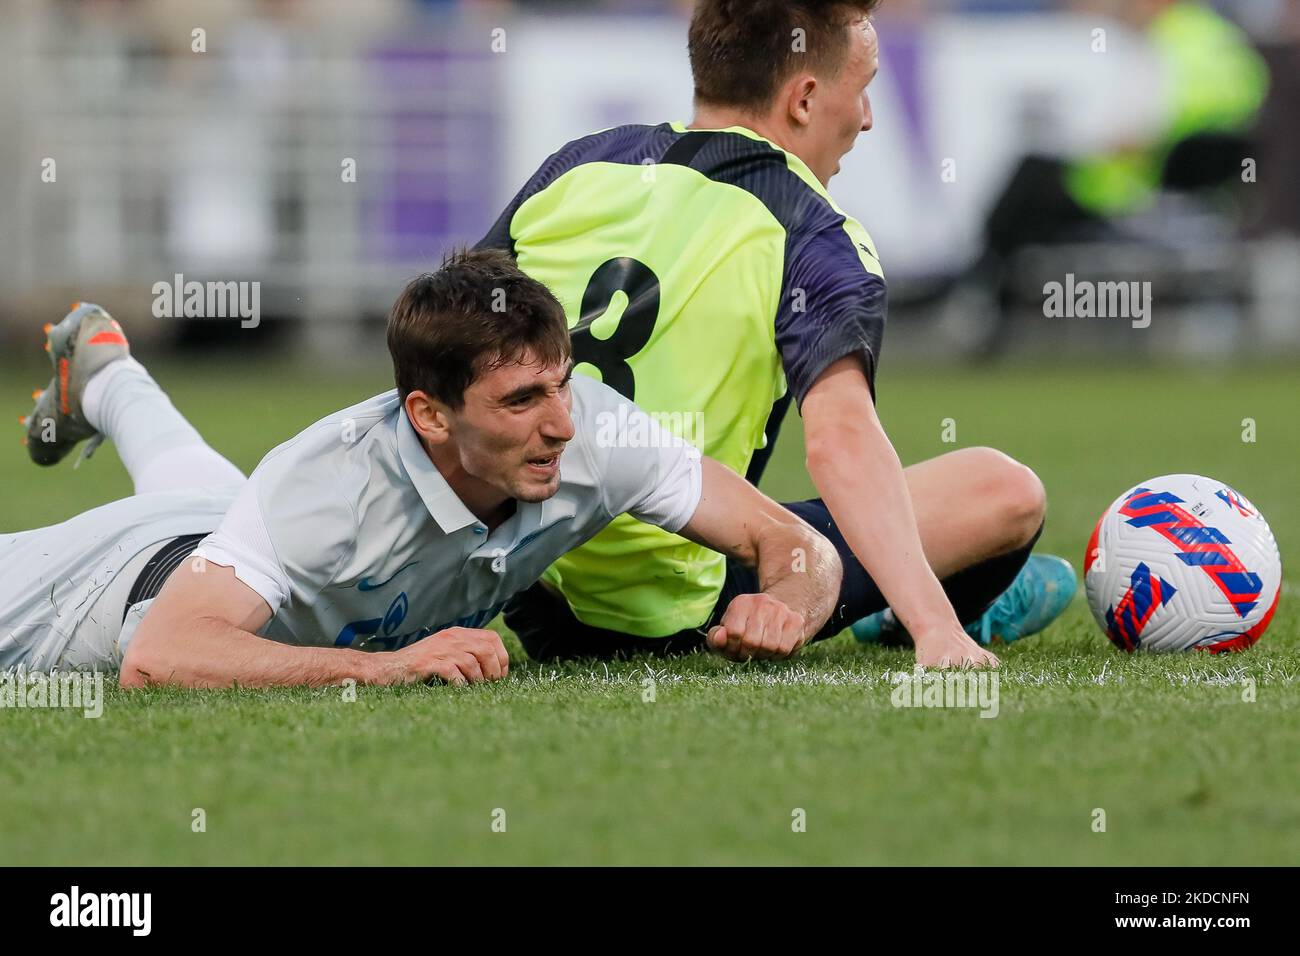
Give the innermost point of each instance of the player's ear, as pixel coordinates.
(429, 417)
(799, 94)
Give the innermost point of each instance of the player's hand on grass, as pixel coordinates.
(457, 655)
(951, 648)
(757, 625)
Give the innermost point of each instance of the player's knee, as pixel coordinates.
(1020, 501)
(1027, 505)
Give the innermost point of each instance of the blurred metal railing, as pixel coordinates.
(139, 162)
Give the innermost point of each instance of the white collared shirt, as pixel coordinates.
(354, 538)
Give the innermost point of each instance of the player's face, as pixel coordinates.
(843, 108)
(513, 424)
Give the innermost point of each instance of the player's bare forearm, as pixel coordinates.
(176, 644)
(858, 474)
(799, 570)
(201, 632)
(861, 466)
(207, 653)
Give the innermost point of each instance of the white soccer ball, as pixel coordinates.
(1182, 562)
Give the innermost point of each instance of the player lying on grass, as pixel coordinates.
(412, 515)
(738, 280)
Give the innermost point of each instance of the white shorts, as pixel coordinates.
(63, 589)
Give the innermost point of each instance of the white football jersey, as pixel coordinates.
(354, 539)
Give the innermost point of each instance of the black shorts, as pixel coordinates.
(548, 629)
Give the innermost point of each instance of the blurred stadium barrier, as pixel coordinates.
(231, 163)
(237, 163)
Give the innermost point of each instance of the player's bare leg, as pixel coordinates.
(978, 513)
(974, 504)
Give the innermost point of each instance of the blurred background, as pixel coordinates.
(330, 150)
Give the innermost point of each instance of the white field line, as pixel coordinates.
(1266, 672)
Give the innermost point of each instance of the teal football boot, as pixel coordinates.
(880, 628)
(1040, 593)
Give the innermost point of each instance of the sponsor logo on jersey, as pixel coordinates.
(365, 584)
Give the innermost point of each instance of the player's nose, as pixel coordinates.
(557, 423)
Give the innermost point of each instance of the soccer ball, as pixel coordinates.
(1182, 562)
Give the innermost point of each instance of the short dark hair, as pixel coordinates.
(743, 50)
(479, 311)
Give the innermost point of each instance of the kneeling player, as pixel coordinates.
(412, 515)
(707, 271)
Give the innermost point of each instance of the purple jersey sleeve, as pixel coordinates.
(831, 307)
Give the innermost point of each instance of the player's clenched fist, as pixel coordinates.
(757, 625)
(457, 655)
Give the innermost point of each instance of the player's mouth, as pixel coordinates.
(545, 466)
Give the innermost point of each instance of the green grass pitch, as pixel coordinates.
(581, 768)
